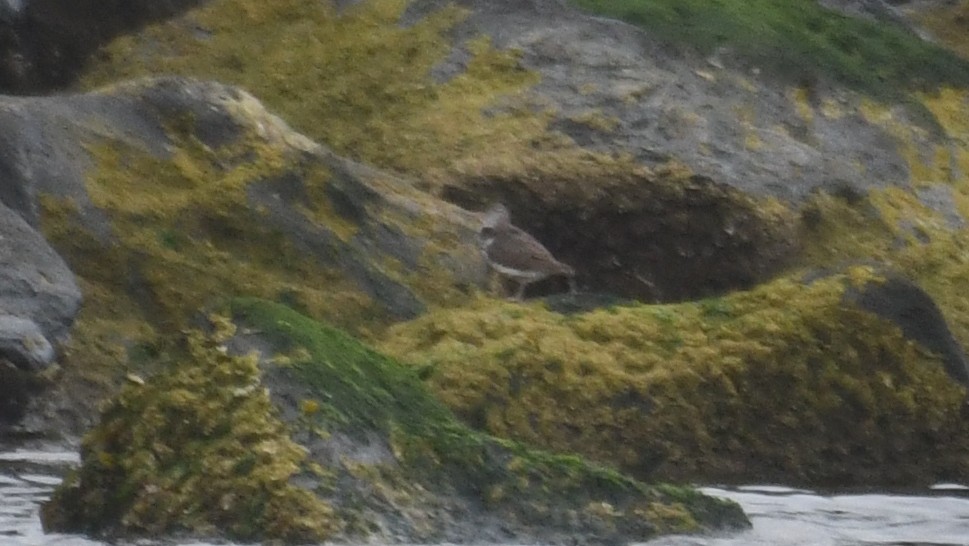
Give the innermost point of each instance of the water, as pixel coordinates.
(781, 516)
(796, 517)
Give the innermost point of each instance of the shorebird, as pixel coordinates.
(515, 254)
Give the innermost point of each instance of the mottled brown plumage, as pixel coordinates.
(516, 254)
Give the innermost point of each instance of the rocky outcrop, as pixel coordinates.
(384, 461)
(333, 212)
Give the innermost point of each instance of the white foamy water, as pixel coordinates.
(781, 516)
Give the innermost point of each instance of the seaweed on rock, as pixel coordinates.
(786, 381)
(194, 449)
(350, 391)
(203, 448)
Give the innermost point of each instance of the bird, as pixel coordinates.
(515, 254)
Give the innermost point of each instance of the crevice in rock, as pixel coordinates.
(644, 241)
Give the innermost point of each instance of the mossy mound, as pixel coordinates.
(784, 382)
(195, 449)
(198, 449)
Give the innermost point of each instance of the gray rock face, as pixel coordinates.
(727, 122)
(38, 294)
(902, 302)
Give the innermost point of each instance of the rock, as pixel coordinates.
(383, 460)
(903, 303)
(39, 297)
(350, 224)
(44, 43)
(667, 105)
(23, 344)
(811, 381)
(346, 242)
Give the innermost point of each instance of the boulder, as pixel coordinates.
(39, 297)
(23, 344)
(905, 304)
(383, 460)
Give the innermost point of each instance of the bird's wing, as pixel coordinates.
(524, 252)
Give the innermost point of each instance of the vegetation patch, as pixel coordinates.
(797, 40)
(194, 449)
(782, 382)
(355, 391)
(353, 77)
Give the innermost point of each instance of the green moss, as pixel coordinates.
(364, 389)
(194, 448)
(783, 375)
(797, 40)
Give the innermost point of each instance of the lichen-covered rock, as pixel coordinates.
(791, 381)
(170, 195)
(199, 448)
(174, 166)
(194, 449)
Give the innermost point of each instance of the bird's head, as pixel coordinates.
(495, 218)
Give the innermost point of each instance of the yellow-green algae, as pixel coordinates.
(196, 448)
(355, 79)
(360, 82)
(891, 226)
(357, 389)
(781, 382)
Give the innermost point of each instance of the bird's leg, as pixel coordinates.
(572, 286)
